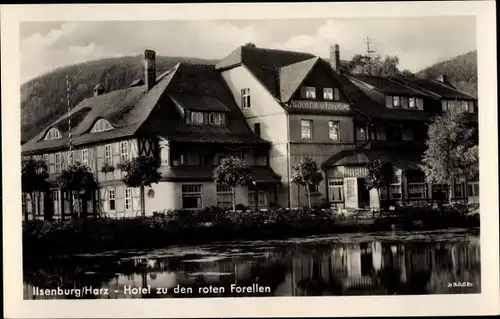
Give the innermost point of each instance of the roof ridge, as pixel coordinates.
(275, 50)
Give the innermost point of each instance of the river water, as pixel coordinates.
(392, 263)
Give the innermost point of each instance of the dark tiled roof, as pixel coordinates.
(291, 76)
(261, 174)
(129, 110)
(387, 85)
(198, 102)
(401, 160)
(441, 89)
(365, 101)
(264, 64)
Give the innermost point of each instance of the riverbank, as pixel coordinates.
(43, 238)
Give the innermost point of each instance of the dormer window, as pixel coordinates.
(215, 118)
(53, 134)
(197, 118)
(101, 126)
(396, 101)
(308, 92)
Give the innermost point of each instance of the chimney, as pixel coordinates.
(441, 78)
(150, 68)
(335, 57)
(98, 90)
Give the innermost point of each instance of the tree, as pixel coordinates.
(75, 179)
(451, 153)
(306, 173)
(232, 172)
(33, 180)
(139, 172)
(249, 45)
(376, 65)
(380, 174)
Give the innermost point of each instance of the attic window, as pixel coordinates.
(101, 126)
(53, 134)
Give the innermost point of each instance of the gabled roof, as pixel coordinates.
(263, 63)
(292, 76)
(441, 89)
(129, 110)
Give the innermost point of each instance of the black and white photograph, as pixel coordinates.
(208, 159)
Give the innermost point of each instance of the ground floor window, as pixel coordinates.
(416, 186)
(111, 199)
(439, 191)
(459, 190)
(261, 197)
(396, 188)
(24, 202)
(128, 198)
(191, 196)
(224, 196)
(57, 202)
(473, 189)
(336, 190)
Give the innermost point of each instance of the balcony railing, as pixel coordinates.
(320, 105)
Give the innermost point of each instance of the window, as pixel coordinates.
(261, 197)
(70, 158)
(101, 126)
(336, 94)
(215, 118)
(459, 190)
(308, 92)
(112, 198)
(361, 134)
(395, 188)
(412, 103)
(256, 129)
(470, 106)
(403, 101)
(46, 159)
(416, 186)
(334, 130)
(336, 190)
(164, 154)
(408, 135)
(53, 134)
(306, 129)
(85, 157)
(56, 202)
(473, 189)
(123, 152)
(327, 93)
(378, 133)
(128, 198)
(224, 196)
(222, 155)
(197, 117)
(191, 196)
(58, 164)
(24, 202)
(108, 155)
(245, 99)
(396, 101)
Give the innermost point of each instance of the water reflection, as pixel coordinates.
(382, 264)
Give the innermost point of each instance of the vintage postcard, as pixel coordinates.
(246, 160)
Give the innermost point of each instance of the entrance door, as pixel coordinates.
(351, 192)
(363, 194)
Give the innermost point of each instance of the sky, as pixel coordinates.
(419, 42)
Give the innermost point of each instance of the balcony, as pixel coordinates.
(329, 106)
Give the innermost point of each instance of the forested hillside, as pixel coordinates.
(461, 71)
(43, 99)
